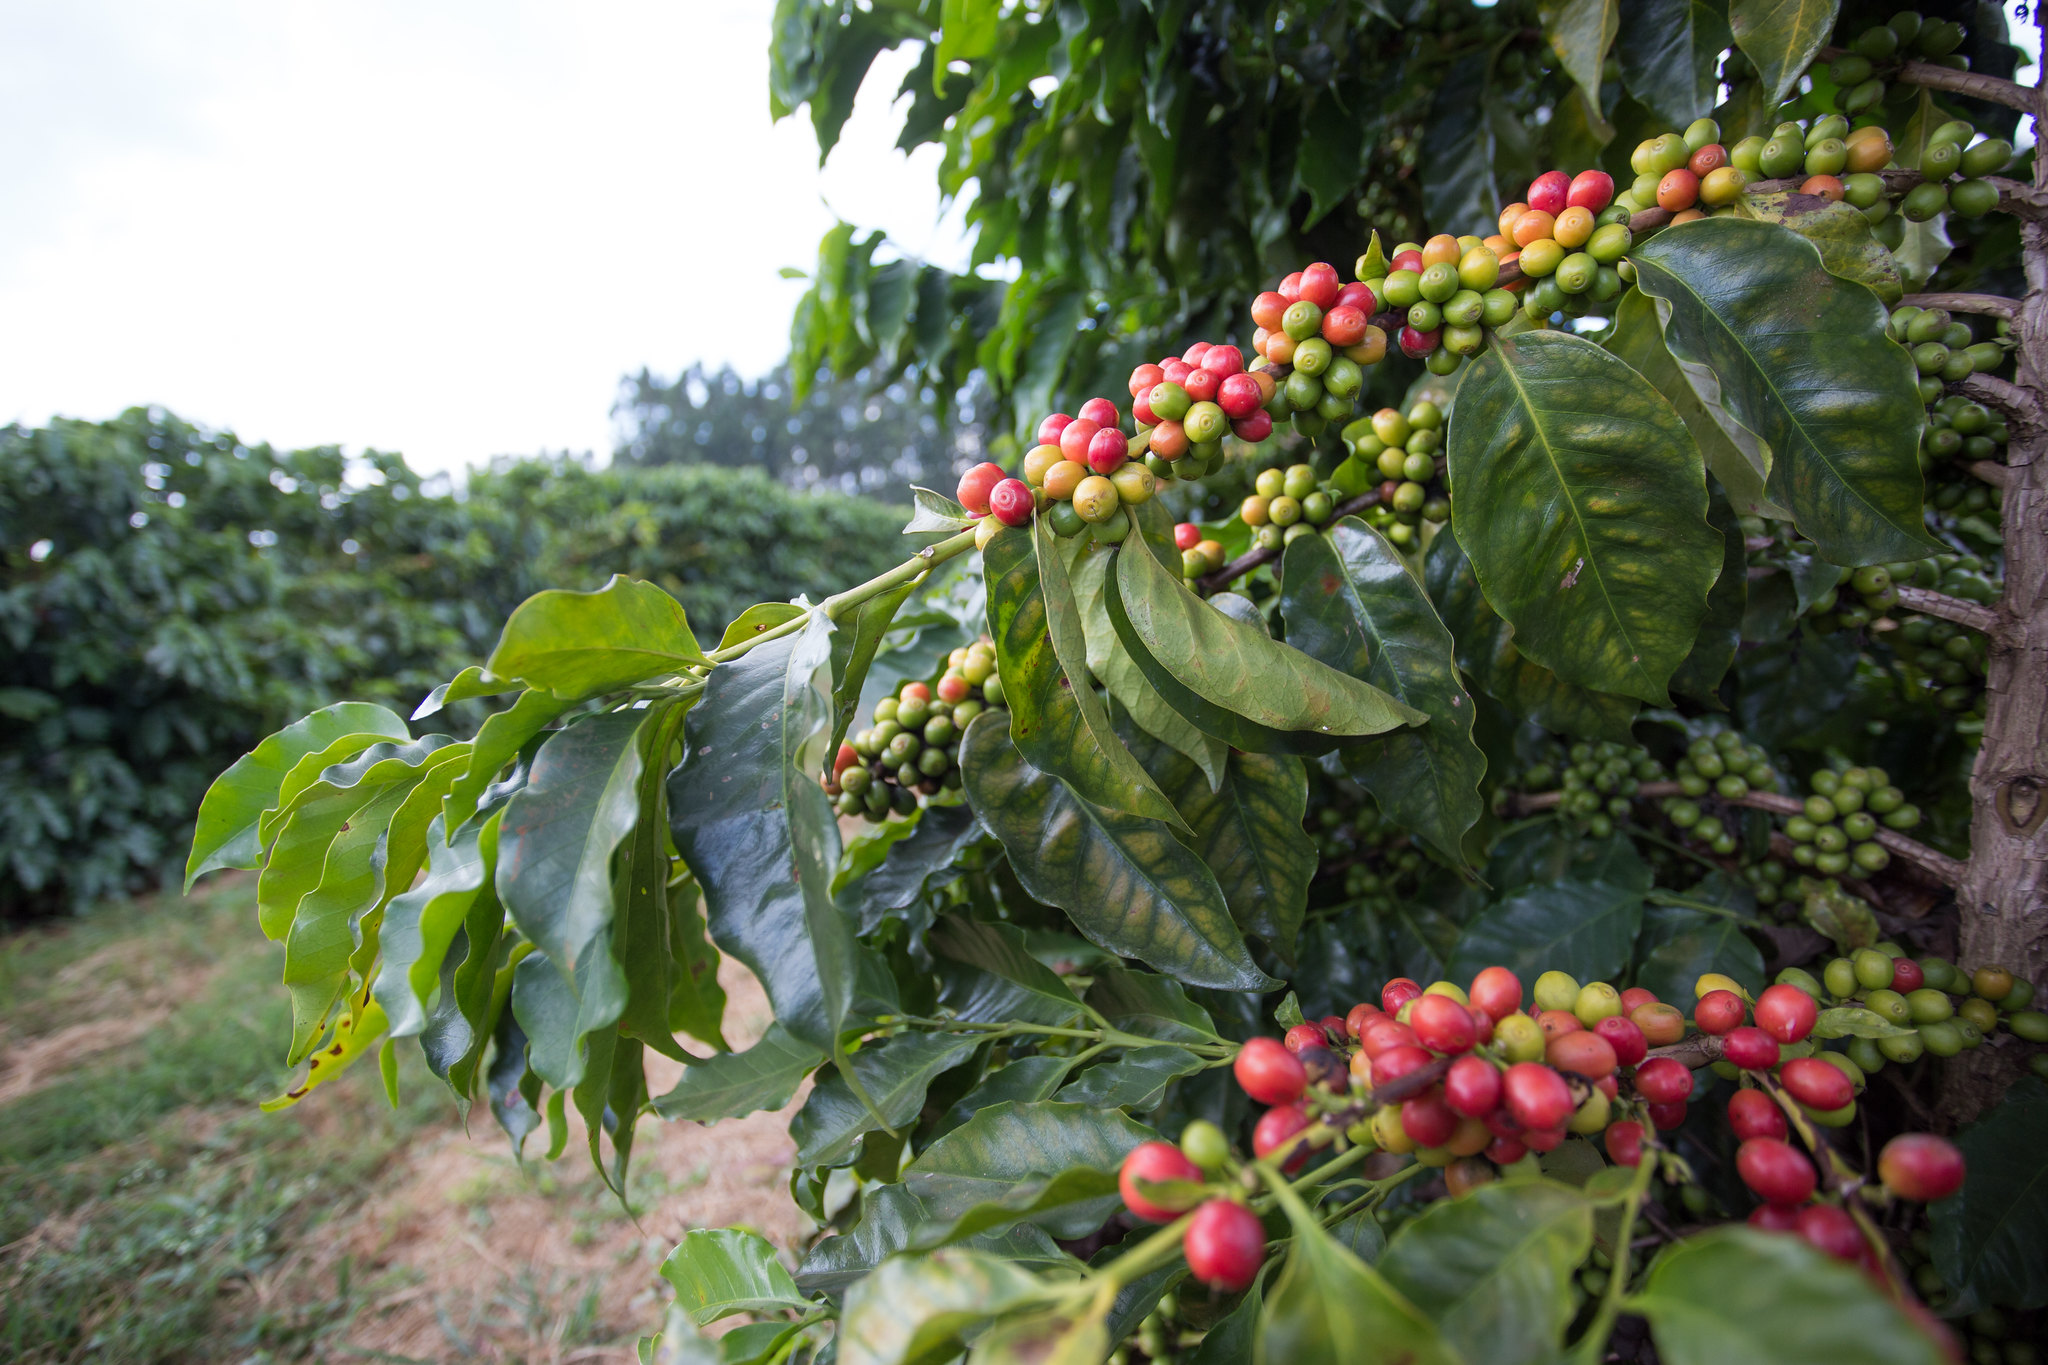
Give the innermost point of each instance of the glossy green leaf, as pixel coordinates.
(1848, 248)
(1582, 503)
(470, 682)
(1679, 944)
(895, 1074)
(1848, 1021)
(1802, 360)
(1072, 1334)
(420, 925)
(1350, 600)
(735, 1084)
(913, 1309)
(1058, 723)
(935, 512)
(1670, 56)
(854, 646)
(757, 831)
(641, 938)
(1234, 1340)
(1051, 1162)
(1586, 928)
(1494, 1268)
(1126, 882)
(891, 1218)
(1767, 1299)
(1327, 1307)
(1488, 656)
(1230, 678)
(1987, 1238)
(1580, 32)
(226, 832)
(1151, 1005)
(1713, 651)
(1034, 993)
(578, 644)
(717, 1272)
(696, 1002)
(1136, 1081)
(1781, 37)
(498, 741)
(928, 848)
(1462, 190)
(757, 618)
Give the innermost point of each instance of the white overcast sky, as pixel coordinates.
(439, 227)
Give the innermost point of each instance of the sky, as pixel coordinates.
(430, 226)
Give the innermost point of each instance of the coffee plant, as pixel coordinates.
(1486, 811)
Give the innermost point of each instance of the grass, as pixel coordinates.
(141, 1191)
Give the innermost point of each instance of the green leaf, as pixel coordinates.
(1036, 993)
(913, 1309)
(1987, 1238)
(1332, 148)
(894, 1073)
(1072, 1334)
(967, 29)
(935, 512)
(1137, 1080)
(1234, 1340)
(1583, 503)
(420, 925)
(225, 835)
(854, 645)
(1149, 1005)
(470, 682)
(739, 1083)
(891, 1218)
(1713, 652)
(578, 644)
(757, 831)
(641, 939)
(1126, 882)
(1580, 32)
(1350, 600)
(975, 1178)
(721, 1271)
(930, 846)
(1327, 1305)
(1494, 1268)
(1733, 453)
(1768, 1299)
(1802, 361)
(1670, 55)
(1058, 723)
(1851, 1021)
(696, 1002)
(757, 618)
(1487, 654)
(1679, 945)
(1781, 37)
(1230, 678)
(1848, 248)
(498, 741)
(1460, 189)
(1586, 928)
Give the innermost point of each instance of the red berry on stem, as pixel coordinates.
(1361, 1018)
(1482, 1024)
(1407, 260)
(1719, 1011)
(1108, 451)
(1635, 997)
(1049, 430)
(1012, 502)
(1141, 409)
(1907, 976)
(1397, 993)
(1144, 377)
(1319, 284)
(1193, 354)
(1549, 192)
(1665, 1117)
(1154, 1161)
(1505, 1151)
(1186, 536)
(1254, 428)
(1416, 345)
(1543, 1139)
(1075, 438)
(1441, 1024)
(1753, 1114)
(1773, 1218)
(1336, 1026)
(1663, 1080)
(1625, 1142)
(1223, 361)
(1786, 1012)
(1344, 326)
(975, 485)
(1358, 294)
(1831, 1230)
(953, 689)
(1583, 1052)
(1274, 1127)
(1428, 1120)
(1775, 1171)
(1177, 370)
(1290, 287)
(1536, 1096)
(1557, 1023)
(1498, 991)
(1396, 1062)
(1303, 1035)
(1472, 1087)
(1268, 309)
(1625, 1038)
(1385, 1034)
(1268, 1072)
(1816, 1084)
(1591, 190)
(1239, 395)
(1225, 1245)
(1202, 384)
(1750, 1048)
(1100, 411)
(1920, 1166)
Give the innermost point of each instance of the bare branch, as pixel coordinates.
(1989, 305)
(1992, 472)
(1251, 559)
(1971, 83)
(1930, 603)
(2009, 398)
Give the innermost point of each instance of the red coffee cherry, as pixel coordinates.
(1750, 1048)
(1224, 361)
(1268, 309)
(1774, 1218)
(1417, 345)
(1719, 1011)
(1472, 1087)
(1100, 411)
(1549, 192)
(1557, 1023)
(844, 759)
(1775, 1171)
(1397, 993)
(975, 485)
(1253, 429)
(1920, 1166)
(1661, 1024)
(1012, 502)
(1396, 1062)
(1344, 326)
(1663, 1080)
(1907, 976)
(1543, 1139)
(1177, 370)
(1816, 1084)
(1384, 1034)
(1074, 439)
(1536, 1096)
(1108, 451)
(1625, 1038)
(1334, 1026)
(1665, 1117)
(1441, 1024)
(1428, 1120)
(1239, 395)
(1141, 409)
(1361, 1018)
(1186, 536)
(1154, 1161)
(1786, 1013)
(1753, 1114)
(1407, 260)
(1591, 190)
(1358, 294)
(1202, 384)
(1144, 377)
(1482, 1024)
(1274, 1127)
(1319, 284)
(1049, 430)
(1831, 1230)
(1268, 1072)
(1635, 997)
(1505, 1151)
(1290, 287)
(1625, 1142)
(1304, 1035)
(1588, 1054)
(1498, 991)
(1224, 1245)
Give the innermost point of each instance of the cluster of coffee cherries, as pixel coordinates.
(1198, 553)
(1859, 73)
(1080, 474)
(1836, 832)
(913, 747)
(1402, 452)
(1321, 331)
(1567, 238)
(1783, 1073)
(1945, 350)
(1688, 173)
(1380, 867)
(1185, 404)
(1723, 765)
(1597, 781)
(1945, 662)
(1940, 1008)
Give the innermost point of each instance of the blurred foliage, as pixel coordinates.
(168, 595)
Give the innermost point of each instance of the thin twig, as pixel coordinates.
(1928, 602)
(1987, 305)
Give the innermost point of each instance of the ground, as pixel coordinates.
(149, 1212)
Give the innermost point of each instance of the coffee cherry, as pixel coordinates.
(1100, 411)
(1816, 1084)
(1624, 1143)
(975, 485)
(1275, 1127)
(1156, 1161)
(1472, 1087)
(1719, 1011)
(1144, 378)
(1012, 502)
(1537, 1096)
(1303, 1035)
(1400, 990)
(1665, 1117)
(1520, 1038)
(1750, 1048)
(1661, 1024)
(1224, 1245)
(1625, 1038)
(1384, 1034)
(1497, 991)
(1441, 1024)
(1550, 192)
(1774, 1218)
(1775, 1171)
(1663, 1080)
(1268, 1072)
(1592, 189)
(1049, 430)
(1583, 1052)
(1393, 1063)
(1268, 308)
(1786, 1013)
(1921, 1167)
(1319, 284)
(1108, 450)
(1186, 535)
(1428, 1120)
